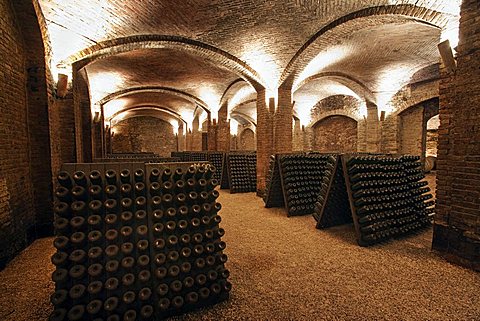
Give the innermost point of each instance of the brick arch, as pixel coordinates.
(151, 110)
(349, 112)
(335, 133)
(155, 89)
(120, 45)
(403, 101)
(307, 52)
(351, 82)
(406, 98)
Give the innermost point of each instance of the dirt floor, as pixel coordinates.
(285, 269)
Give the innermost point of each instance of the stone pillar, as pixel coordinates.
(212, 135)
(83, 116)
(264, 139)
(181, 137)
(307, 138)
(223, 129)
(283, 121)
(196, 135)
(297, 136)
(372, 129)
(456, 233)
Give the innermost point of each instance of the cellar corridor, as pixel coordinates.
(301, 273)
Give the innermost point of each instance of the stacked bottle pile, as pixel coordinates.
(273, 186)
(141, 158)
(388, 196)
(216, 159)
(302, 176)
(240, 166)
(190, 156)
(332, 206)
(136, 242)
(252, 170)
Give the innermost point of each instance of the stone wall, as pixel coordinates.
(144, 134)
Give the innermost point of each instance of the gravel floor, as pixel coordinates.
(284, 269)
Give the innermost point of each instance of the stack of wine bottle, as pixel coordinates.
(273, 186)
(333, 197)
(191, 156)
(136, 242)
(241, 171)
(387, 196)
(140, 158)
(217, 160)
(302, 176)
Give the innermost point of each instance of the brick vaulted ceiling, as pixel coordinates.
(319, 48)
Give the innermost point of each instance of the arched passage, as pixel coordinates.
(412, 127)
(335, 134)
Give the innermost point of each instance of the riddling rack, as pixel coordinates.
(241, 172)
(214, 157)
(137, 241)
(299, 177)
(386, 194)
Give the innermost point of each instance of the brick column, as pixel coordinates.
(283, 121)
(212, 135)
(457, 222)
(372, 129)
(196, 135)
(83, 116)
(181, 137)
(223, 129)
(264, 139)
(297, 136)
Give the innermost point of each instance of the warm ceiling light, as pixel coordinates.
(241, 95)
(323, 60)
(233, 127)
(264, 64)
(113, 106)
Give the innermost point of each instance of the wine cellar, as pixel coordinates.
(239, 160)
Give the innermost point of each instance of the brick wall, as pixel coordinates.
(335, 134)
(411, 131)
(457, 221)
(17, 208)
(62, 133)
(144, 134)
(432, 141)
(246, 140)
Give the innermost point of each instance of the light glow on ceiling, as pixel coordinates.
(323, 60)
(390, 80)
(174, 124)
(104, 83)
(240, 96)
(211, 97)
(187, 116)
(264, 64)
(113, 106)
(323, 88)
(452, 35)
(233, 127)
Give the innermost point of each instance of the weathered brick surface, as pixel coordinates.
(144, 134)
(457, 231)
(335, 134)
(62, 133)
(412, 131)
(246, 139)
(17, 207)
